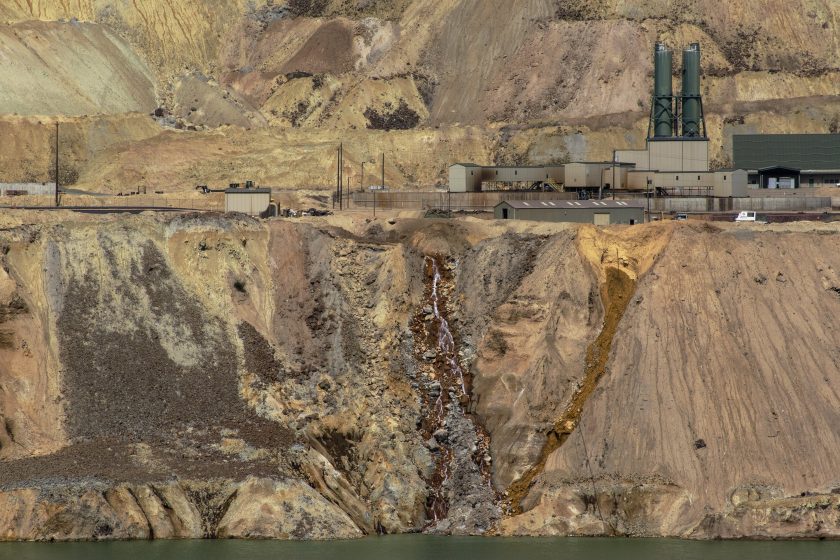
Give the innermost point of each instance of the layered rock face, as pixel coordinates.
(203, 376)
(200, 374)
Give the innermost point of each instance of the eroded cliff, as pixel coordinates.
(210, 376)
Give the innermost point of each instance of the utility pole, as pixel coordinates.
(362, 181)
(340, 175)
(56, 163)
(337, 174)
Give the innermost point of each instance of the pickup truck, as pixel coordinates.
(751, 217)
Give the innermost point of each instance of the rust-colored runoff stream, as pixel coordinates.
(444, 384)
(616, 293)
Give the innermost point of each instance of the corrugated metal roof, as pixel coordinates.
(572, 204)
(610, 163)
(799, 151)
(247, 191)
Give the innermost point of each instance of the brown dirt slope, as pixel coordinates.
(76, 69)
(720, 390)
(539, 307)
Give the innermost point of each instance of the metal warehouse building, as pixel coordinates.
(788, 160)
(598, 212)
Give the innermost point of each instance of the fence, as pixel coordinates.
(472, 201)
(798, 204)
(17, 189)
(211, 201)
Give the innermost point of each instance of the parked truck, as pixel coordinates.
(750, 217)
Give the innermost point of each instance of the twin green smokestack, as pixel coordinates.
(680, 116)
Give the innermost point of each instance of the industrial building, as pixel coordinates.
(251, 201)
(788, 160)
(674, 162)
(598, 212)
(468, 177)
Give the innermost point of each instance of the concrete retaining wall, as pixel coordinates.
(771, 204)
(783, 204)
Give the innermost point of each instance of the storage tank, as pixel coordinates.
(663, 96)
(691, 105)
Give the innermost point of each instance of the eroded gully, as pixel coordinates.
(461, 499)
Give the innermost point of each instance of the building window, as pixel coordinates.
(472, 172)
(516, 172)
(724, 177)
(678, 177)
(698, 177)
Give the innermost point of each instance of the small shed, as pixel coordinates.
(598, 212)
(253, 202)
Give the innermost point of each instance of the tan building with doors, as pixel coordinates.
(253, 202)
(731, 183)
(722, 184)
(591, 174)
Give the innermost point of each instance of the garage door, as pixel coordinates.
(602, 219)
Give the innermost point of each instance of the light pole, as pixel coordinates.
(56, 164)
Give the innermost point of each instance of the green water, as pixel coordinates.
(417, 547)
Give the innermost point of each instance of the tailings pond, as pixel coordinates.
(420, 547)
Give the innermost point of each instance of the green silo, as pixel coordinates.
(663, 97)
(692, 108)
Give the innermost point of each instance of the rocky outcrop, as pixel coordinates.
(206, 376)
(205, 349)
(814, 516)
(267, 509)
(254, 508)
(95, 512)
